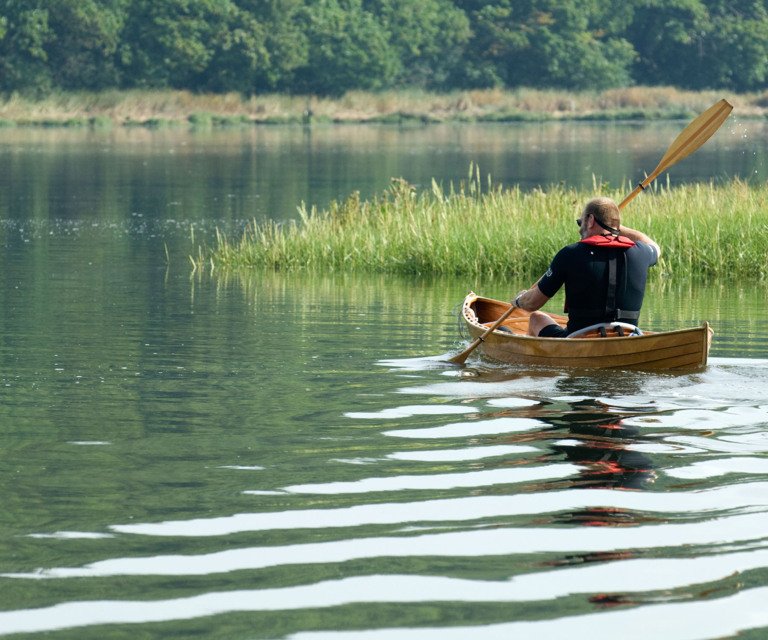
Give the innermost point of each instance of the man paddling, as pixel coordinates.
(604, 274)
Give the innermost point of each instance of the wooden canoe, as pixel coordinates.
(665, 350)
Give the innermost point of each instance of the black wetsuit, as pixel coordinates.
(585, 270)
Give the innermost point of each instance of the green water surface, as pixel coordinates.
(271, 455)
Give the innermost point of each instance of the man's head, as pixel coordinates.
(600, 215)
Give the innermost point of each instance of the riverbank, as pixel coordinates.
(478, 229)
(181, 108)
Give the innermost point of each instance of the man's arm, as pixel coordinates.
(531, 299)
(635, 235)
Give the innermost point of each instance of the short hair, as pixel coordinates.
(605, 210)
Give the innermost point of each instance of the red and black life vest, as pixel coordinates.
(617, 242)
(610, 241)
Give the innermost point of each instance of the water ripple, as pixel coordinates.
(464, 429)
(701, 620)
(725, 530)
(438, 481)
(614, 506)
(709, 501)
(629, 577)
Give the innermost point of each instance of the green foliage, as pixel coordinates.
(23, 56)
(101, 122)
(666, 31)
(549, 43)
(286, 43)
(429, 38)
(736, 52)
(700, 44)
(82, 51)
(196, 44)
(348, 49)
(201, 120)
(329, 47)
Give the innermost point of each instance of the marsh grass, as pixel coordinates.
(203, 110)
(479, 229)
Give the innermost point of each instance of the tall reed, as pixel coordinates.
(478, 228)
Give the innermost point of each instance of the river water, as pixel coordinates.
(269, 455)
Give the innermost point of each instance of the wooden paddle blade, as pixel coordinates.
(701, 129)
(695, 134)
(461, 358)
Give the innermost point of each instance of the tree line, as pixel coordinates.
(329, 47)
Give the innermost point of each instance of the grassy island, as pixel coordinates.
(184, 108)
(705, 230)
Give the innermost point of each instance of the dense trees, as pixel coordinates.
(702, 44)
(332, 46)
(557, 43)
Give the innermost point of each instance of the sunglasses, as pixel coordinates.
(580, 220)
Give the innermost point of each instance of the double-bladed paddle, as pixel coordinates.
(688, 140)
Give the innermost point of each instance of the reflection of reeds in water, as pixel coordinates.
(359, 290)
(408, 311)
(426, 307)
(476, 228)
